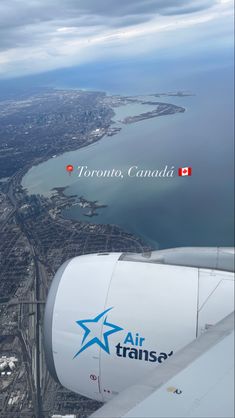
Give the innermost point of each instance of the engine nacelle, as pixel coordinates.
(111, 318)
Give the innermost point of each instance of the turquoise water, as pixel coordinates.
(166, 212)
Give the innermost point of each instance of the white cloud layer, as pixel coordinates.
(41, 35)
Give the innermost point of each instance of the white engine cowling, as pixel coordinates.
(111, 318)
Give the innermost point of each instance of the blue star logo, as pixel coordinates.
(100, 326)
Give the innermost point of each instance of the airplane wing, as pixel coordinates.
(198, 381)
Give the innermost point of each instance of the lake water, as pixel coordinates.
(166, 212)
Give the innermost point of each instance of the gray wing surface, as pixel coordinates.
(198, 381)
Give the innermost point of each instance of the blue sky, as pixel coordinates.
(37, 36)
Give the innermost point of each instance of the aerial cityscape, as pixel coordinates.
(144, 85)
(36, 239)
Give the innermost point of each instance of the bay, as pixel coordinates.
(166, 212)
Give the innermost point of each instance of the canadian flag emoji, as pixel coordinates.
(185, 171)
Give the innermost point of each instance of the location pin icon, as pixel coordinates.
(69, 168)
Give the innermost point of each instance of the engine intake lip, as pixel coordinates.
(48, 321)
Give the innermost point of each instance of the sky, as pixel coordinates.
(37, 36)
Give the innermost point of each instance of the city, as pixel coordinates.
(36, 239)
(117, 159)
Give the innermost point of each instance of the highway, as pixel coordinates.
(39, 282)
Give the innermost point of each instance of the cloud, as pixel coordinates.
(36, 34)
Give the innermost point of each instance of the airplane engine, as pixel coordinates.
(111, 318)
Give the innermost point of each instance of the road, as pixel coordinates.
(39, 280)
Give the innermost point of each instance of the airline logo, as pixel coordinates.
(185, 171)
(91, 329)
(131, 346)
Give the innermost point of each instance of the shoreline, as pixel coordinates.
(111, 129)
